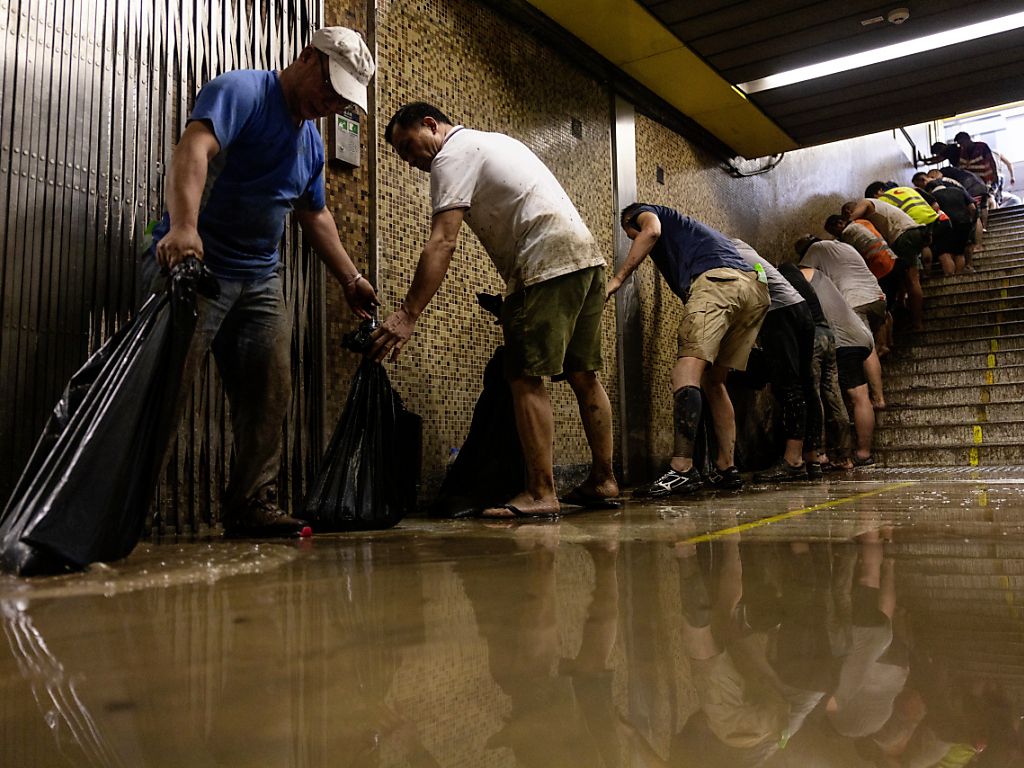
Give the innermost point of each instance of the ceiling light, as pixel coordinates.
(885, 53)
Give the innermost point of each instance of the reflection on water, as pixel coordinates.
(859, 634)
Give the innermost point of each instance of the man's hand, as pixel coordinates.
(392, 335)
(613, 285)
(361, 297)
(178, 244)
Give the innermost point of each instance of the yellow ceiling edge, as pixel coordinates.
(623, 32)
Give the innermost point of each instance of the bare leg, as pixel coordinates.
(722, 414)
(915, 298)
(536, 426)
(873, 372)
(596, 415)
(948, 268)
(863, 419)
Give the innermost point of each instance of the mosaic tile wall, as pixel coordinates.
(769, 211)
(484, 74)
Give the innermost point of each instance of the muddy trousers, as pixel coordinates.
(787, 338)
(828, 400)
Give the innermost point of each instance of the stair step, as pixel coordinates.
(945, 364)
(942, 348)
(949, 433)
(965, 332)
(970, 395)
(987, 454)
(1008, 268)
(969, 284)
(998, 299)
(977, 377)
(904, 416)
(993, 316)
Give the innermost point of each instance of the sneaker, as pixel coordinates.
(672, 483)
(814, 470)
(728, 478)
(867, 461)
(781, 473)
(261, 518)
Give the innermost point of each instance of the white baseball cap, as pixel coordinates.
(351, 64)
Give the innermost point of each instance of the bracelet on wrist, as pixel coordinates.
(354, 279)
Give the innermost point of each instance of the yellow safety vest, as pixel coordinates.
(911, 203)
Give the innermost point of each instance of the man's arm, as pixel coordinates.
(198, 145)
(1008, 164)
(861, 209)
(430, 271)
(650, 231)
(322, 233)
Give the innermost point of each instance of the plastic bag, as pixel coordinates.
(84, 494)
(369, 476)
(489, 468)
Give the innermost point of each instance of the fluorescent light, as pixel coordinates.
(885, 53)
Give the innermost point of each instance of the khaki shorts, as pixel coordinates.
(554, 326)
(742, 712)
(722, 317)
(873, 314)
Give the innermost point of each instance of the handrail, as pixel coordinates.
(918, 158)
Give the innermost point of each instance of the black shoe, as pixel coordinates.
(728, 478)
(672, 483)
(814, 470)
(261, 518)
(867, 461)
(781, 473)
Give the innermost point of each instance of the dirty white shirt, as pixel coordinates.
(514, 205)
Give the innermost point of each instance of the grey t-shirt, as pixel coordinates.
(849, 329)
(845, 267)
(781, 293)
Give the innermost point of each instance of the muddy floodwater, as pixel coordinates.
(858, 622)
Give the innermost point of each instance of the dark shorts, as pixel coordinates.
(892, 283)
(554, 327)
(952, 239)
(850, 362)
(909, 245)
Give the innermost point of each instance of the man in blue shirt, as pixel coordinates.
(249, 155)
(725, 301)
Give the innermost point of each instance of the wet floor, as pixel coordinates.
(869, 622)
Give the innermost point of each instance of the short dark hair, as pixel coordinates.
(919, 176)
(629, 212)
(963, 134)
(412, 113)
(939, 148)
(832, 220)
(875, 187)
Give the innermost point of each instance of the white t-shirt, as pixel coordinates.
(845, 267)
(890, 221)
(514, 205)
(780, 291)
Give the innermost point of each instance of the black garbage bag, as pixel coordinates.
(369, 477)
(84, 494)
(489, 468)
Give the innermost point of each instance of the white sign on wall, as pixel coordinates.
(345, 138)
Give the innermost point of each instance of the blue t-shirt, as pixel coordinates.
(688, 249)
(267, 166)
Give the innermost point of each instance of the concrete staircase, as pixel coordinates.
(956, 390)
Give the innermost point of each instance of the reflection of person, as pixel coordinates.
(554, 275)
(251, 140)
(725, 301)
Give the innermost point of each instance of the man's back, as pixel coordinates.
(890, 221)
(845, 267)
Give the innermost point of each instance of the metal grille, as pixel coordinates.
(95, 94)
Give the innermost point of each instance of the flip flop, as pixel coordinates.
(517, 514)
(580, 499)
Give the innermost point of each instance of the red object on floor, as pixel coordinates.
(306, 532)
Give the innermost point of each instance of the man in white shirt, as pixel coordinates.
(551, 319)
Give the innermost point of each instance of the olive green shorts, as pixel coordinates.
(722, 316)
(554, 327)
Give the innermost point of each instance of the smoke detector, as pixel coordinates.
(897, 15)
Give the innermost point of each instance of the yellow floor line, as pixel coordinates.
(794, 513)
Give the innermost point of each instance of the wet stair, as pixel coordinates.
(955, 390)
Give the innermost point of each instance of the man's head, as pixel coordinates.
(805, 242)
(847, 209)
(330, 73)
(417, 131)
(349, 62)
(834, 225)
(920, 179)
(939, 149)
(876, 188)
(934, 173)
(628, 220)
(964, 139)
